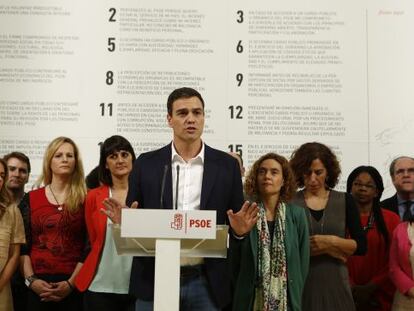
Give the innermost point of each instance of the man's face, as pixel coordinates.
(187, 119)
(18, 174)
(403, 178)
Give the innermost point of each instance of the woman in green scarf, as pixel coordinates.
(270, 264)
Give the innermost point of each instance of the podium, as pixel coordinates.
(167, 235)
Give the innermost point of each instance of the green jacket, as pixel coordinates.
(243, 259)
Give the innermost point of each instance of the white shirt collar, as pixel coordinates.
(176, 157)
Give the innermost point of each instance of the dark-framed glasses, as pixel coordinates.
(361, 185)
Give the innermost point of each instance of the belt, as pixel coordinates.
(191, 271)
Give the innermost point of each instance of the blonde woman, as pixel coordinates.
(11, 236)
(55, 229)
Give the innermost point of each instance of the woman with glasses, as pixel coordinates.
(371, 287)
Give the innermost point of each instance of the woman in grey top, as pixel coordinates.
(331, 214)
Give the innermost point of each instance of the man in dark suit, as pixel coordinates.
(209, 180)
(19, 172)
(402, 175)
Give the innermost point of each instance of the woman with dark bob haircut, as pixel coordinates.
(104, 276)
(270, 265)
(330, 215)
(371, 286)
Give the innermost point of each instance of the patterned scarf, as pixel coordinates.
(271, 288)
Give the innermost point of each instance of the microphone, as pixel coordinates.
(176, 187)
(164, 177)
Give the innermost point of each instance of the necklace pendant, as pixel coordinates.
(60, 208)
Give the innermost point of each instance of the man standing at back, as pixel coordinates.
(209, 179)
(402, 175)
(19, 170)
(18, 165)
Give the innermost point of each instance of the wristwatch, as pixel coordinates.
(30, 279)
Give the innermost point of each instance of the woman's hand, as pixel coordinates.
(57, 292)
(326, 244)
(39, 286)
(410, 293)
(244, 220)
(113, 209)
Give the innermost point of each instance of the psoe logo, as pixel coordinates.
(177, 224)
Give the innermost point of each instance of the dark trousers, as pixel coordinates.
(19, 292)
(108, 302)
(195, 294)
(72, 302)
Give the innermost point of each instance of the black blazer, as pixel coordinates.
(391, 204)
(221, 190)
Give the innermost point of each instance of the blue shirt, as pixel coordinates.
(401, 207)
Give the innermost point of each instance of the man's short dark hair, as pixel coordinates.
(184, 92)
(18, 155)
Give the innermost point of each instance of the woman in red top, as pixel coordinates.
(372, 289)
(55, 230)
(104, 276)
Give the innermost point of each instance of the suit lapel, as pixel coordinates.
(209, 176)
(395, 205)
(166, 160)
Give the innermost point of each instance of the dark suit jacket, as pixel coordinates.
(391, 204)
(221, 190)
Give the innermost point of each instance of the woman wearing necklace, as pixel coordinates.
(55, 230)
(330, 215)
(104, 277)
(371, 287)
(270, 265)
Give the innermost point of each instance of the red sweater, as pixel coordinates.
(373, 267)
(57, 237)
(96, 225)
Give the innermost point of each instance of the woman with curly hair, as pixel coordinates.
(11, 237)
(331, 214)
(270, 265)
(55, 230)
